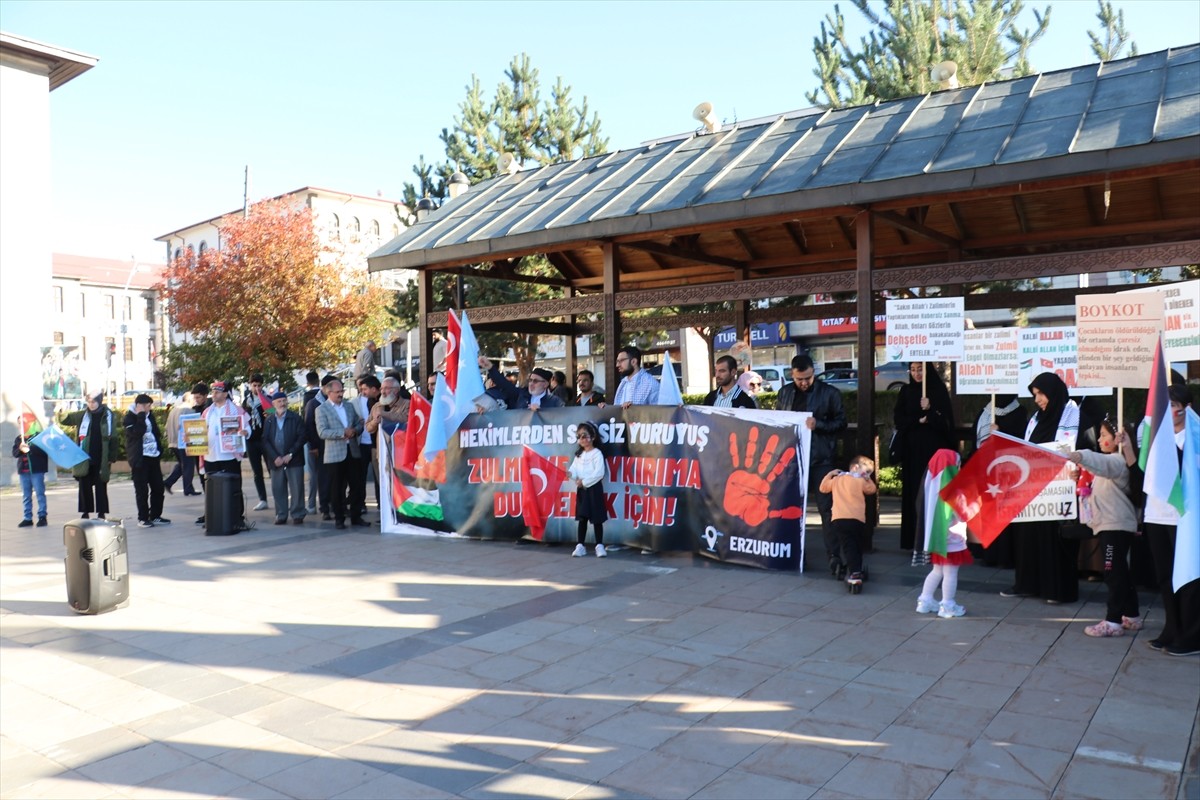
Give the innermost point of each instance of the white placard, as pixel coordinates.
(1052, 350)
(925, 329)
(991, 363)
(1181, 319)
(1117, 338)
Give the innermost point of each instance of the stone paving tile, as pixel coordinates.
(321, 777)
(1037, 767)
(1134, 714)
(957, 717)
(665, 775)
(1133, 745)
(1035, 730)
(977, 694)
(873, 777)
(960, 785)
(785, 758)
(527, 781)
(83, 750)
(137, 766)
(1061, 705)
(392, 787)
(26, 768)
(198, 780)
(1088, 778)
(739, 785)
(864, 705)
(639, 727)
(915, 746)
(268, 756)
(588, 758)
(65, 786)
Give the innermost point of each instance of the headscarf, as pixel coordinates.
(744, 380)
(1045, 427)
(935, 390)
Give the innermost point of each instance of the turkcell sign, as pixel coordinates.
(762, 334)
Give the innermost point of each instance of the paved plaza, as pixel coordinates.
(307, 662)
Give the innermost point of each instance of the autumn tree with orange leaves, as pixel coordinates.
(272, 299)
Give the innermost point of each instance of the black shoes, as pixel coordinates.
(26, 523)
(340, 524)
(360, 523)
(1014, 592)
(41, 523)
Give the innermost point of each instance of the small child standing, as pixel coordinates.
(850, 490)
(588, 472)
(945, 572)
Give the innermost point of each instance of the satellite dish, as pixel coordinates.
(704, 113)
(508, 164)
(945, 75)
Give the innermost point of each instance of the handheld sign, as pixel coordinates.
(1053, 350)
(990, 362)
(1181, 318)
(1117, 338)
(925, 329)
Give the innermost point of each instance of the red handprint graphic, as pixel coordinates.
(748, 485)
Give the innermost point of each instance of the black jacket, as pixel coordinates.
(35, 457)
(825, 403)
(135, 430)
(294, 439)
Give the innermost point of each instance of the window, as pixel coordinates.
(128, 308)
(150, 354)
(129, 386)
(82, 304)
(110, 305)
(112, 388)
(128, 349)
(83, 347)
(395, 229)
(58, 337)
(203, 247)
(149, 309)
(178, 253)
(335, 227)
(58, 299)
(375, 228)
(191, 256)
(355, 229)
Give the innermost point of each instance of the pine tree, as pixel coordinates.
(536, 132)
(894, 60)
(1108, 46)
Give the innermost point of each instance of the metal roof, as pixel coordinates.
(1119, 115)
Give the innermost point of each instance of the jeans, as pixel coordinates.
(184, 467)
(31, 481)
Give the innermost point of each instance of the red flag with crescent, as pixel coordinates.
(414, 434)
(541, 481)
(453, 337)
(998, 482)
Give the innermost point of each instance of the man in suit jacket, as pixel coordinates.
(283, 442)
(339, 426)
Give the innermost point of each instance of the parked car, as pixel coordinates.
(845, 380)
(888, 377)
(774, 375)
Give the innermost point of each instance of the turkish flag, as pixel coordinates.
(998, 482)
(540, 484)
(419, 411)
(453, 336)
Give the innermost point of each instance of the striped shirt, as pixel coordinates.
(640, 388)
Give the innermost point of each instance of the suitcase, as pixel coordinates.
(224, 506)
(97, 565)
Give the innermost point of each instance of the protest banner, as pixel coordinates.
(990, 363)
(729, 486)
(1117, 337)
(1052, 350)
(925, 329)
(1181, 318)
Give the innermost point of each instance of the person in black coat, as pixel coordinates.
(805, 393)
(143, 448)
(1011, 417)
(924, 424)
(32, 464)
(284, 444)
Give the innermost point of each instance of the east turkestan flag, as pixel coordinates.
(469, 385)
(1187, 532)
(441, 415)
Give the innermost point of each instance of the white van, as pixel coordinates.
(774, 375)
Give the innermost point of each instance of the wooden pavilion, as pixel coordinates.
(1088, 170)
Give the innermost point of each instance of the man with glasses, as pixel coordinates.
(535, 395)
(637, 386)
(728, 393)
(828, 420)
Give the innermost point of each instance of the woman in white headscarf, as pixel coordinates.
(750, 382)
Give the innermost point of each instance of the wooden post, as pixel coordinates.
(612, 324)
(424, 306)
(571, 367)
(864, 228)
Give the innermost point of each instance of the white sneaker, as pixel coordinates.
(262, 504)
(926, 606)
(601, 552)
(951, 610)
(580, 550)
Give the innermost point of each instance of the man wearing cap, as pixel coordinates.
(185, 465)
(340, 427)
(284, 445)
(227, 427)
(255, 403)
(535, 395)
(143, 451)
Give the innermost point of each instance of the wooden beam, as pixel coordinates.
(795, 230)
(956, 216)
(1022, 216)
(685, 253)
(612, 320)
(744, 242)
(902, 222)
(1183, 228)
(847, 233)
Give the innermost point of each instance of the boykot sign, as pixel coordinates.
(927, 329)
(730, 487)
(1117, 338)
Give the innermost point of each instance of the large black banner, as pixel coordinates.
(727, 484)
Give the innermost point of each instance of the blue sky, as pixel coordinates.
(347, 95)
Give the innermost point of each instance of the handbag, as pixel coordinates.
(81, 469)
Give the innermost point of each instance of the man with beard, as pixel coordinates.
(588, 396)
(637, 386)
(828, 420)
(256, 413)
(389, 411)
(728, 393)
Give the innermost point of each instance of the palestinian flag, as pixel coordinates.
(30, 424)
(1159, 457)
(936, 514)
(414, 501)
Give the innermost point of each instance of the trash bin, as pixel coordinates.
(97, 565)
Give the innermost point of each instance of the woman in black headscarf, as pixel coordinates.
(1010, 419)
(924, 425)
(1046, 563)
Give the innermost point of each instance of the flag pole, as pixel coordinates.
(1120, 408)
(993, 408)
